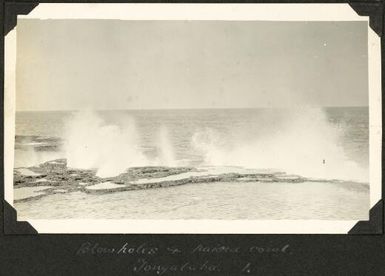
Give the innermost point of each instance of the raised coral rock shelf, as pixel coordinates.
(55, 177)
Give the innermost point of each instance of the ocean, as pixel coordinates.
(246, 155)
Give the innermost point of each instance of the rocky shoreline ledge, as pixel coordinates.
(55, 177)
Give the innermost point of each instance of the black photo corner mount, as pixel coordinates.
(375, 223)
(12, 226)
(12, 9)
(375, 12)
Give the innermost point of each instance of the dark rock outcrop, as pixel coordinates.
(60, 179)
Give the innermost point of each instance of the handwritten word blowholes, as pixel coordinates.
(95, 249)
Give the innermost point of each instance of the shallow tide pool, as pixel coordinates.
(220, 200)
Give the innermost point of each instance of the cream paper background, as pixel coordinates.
(239, 12)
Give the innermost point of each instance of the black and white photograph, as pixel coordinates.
(192, 120)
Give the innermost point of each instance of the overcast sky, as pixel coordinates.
(116, 64)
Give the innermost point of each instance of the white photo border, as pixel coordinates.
(229, 12)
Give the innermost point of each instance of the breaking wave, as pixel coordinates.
(303, 142)
(90, 143)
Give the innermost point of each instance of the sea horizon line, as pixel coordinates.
(191, 108)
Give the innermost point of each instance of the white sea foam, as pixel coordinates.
(111, 149)
(165, 148)
(303, 142)
(91, 143)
